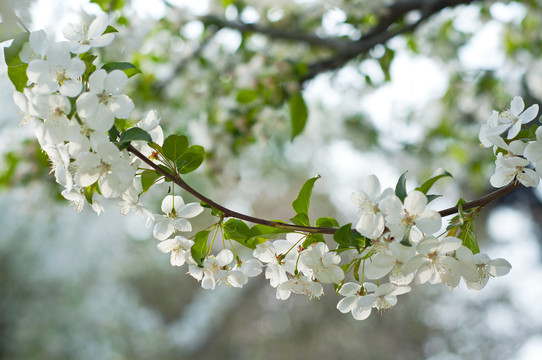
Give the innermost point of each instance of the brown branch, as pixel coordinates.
(381, 32)
(276, 33)
(227, 212)
(483, 201)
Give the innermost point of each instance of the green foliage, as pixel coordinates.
(236, 230)
(400, 188)
(302, 202)
(327, 222)
(298, 113)
(191, 159)
(110, 29)
(128, 68)
(174, 147)
(109, 5)
(313, 238)
(462, 226)
(199, 249)
(16, 68)
(149, 178)
(133, 134)
(346, 238)
(427, 184)
(245, 96)
(88, 59)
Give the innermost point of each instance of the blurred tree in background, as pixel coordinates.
(277, 91)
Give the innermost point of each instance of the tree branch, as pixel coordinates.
(381, 33)
(483, 201)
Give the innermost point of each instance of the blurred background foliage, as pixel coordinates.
(388, 86)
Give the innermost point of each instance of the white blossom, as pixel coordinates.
(299, 284)
(178, 246)
(58, 72)
(323, 263)
(35, 48)
(356, 300)
(515, 116)
(510, 168)
(177, 213)
(105, 100)
(371, 223)
(214, 269)
(400, 218)
(82, 38)
(533, 152)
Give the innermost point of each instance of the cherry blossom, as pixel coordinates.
(510, 168)
(533, 152)
(516, 116)
(299, 284)
(357, 300)
(323, 263)
(178, 247)
(177, 213)
(58, 72)
(400, 218)
(214, 269)
(35, 48)
(82, 38)
(371, 223)
(105, 100)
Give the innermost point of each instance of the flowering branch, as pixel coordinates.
(228, 212)
(483, 201)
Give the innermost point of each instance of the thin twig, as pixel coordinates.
(484, 200)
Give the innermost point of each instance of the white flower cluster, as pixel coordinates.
(404, 249)
(72, 109)
(514, 154)
(75, 137)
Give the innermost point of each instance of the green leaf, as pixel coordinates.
(128, 68)
(313, 238)
(236, 230)
(17, 75)
(109, 5)
(135, 133)
(301, 220)
(343, 235)
(191, 159)
(199, 249)
(303, 201)
(263, 230)
(110, 29)
(245, 96)
(174, 146)
(11, 53)
(432, 197)
(148, 178)
(400, 188)
(88, 59)
(327, 222)
(89, 192)
(16, 68)
(298, 113)
(424, 188)
(113, 134)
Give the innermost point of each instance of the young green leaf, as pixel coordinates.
(110, 29)
(265, 231)
(298, 113)
(11, 53)
(245, 96)
(174, 146)
(327, 222)
(236, 230)
(135, 133)
(424, 188)
(313, 238)
(301, 220)
(400, 188)
(128, 68)
(303, 201)
(18, 77)
(148, 178)
(199, 249)
(191, 159)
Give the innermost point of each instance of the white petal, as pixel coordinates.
(529, 114)
(429, 222)
(349, 289)
(190, 210)
(517, 105)
(121, 106)
(347, 304)
(98, 26)
(162, 229)
(415, 202)
(115, 81)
